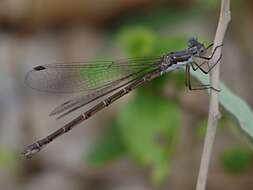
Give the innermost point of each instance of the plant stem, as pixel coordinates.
(214, 114)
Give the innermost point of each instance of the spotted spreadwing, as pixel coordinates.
(110, 79)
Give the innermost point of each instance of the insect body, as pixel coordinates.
(102, 78)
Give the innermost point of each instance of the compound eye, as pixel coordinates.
(202, 50)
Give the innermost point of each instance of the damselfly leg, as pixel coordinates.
(205, 62)
(210, 57)
(196, 66)
(209, 46)
(188, 82)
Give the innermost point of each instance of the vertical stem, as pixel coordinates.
(214, 114)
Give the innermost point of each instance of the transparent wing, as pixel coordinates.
(80, 101)
(85, 77)
(94, 79)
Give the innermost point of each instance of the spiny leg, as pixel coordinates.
(198, 66)
(206, 62)
(186, 77)
(202, 69)
(188, 81)
(199, 87)
(210, 57)
(209, 46)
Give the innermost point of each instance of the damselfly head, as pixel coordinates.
(200, 48)
(192, 42)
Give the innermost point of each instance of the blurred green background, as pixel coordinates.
(150, 139)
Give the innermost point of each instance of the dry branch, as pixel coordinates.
(214, 113)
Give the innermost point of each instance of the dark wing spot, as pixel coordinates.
(39, 68)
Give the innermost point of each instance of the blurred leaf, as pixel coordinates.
(210, 4)
(224, 123)
(107, 149)
(7, 159)
(137, 41)
(140, 41)
(215, 4)
(148, 125)
(160, 170)
(201, 128)
(232, 103)
(236, 159)
(165, 45)
(160, 17)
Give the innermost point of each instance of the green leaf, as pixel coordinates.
(107, 149)
(201, 128)
(141, 41)
(236, 159)
(224, 123)
(165, 45)
(137, 41)
(8, 159)
(160, 17)
(148, 126)
(233, 104)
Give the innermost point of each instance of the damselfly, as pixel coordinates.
(115, 78)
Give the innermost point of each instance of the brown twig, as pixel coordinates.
(214, 114)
